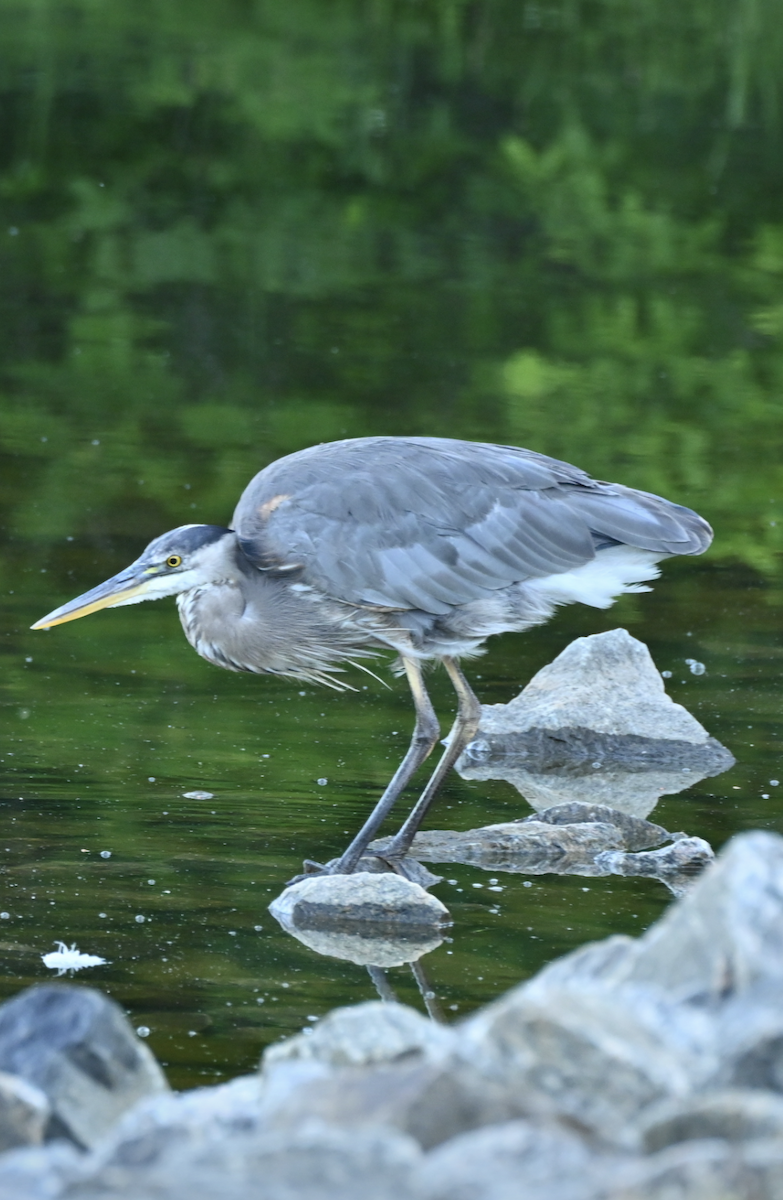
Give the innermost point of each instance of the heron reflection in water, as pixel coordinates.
(424, 546)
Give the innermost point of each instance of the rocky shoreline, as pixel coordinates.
(632, 1069)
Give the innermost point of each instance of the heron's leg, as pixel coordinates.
(425, 735)
(463, 731)
(427, 994)
(382, 985)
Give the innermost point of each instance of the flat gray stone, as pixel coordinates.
(373, 919)
(608, 683)
(734, 1115)
(24, 1112)
(516, 1160)
(363, 1034)
(637, 834)
(515, 846)
(80, 1050)
(570, 839)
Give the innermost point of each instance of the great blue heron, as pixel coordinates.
(425, 546)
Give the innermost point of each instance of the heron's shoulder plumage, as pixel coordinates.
(430, 523)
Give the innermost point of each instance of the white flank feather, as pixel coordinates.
(612, 572)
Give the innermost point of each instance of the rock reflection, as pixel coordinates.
(554, 768)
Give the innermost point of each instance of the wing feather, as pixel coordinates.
(430, 523)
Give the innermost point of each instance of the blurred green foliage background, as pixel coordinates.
(233, 228)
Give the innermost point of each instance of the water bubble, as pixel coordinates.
(105, 853)
(140, 919)
(696, 667)
(143, 1030)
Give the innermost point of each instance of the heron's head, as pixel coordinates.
(173, 563)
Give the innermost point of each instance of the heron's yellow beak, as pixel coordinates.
(127, 587)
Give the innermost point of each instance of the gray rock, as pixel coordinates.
(592, 1054)
(734, 1115)
(430, 1101)
(316, 1161)
(726, 934)
(39, 1172)
(636, 833)
(750, 1035)
(608, 683)
(370, 1033)
(513, 1161)
(516, 846)
(80, 1050)
(724, 938)
(703, 1170)
(375, 903)
(24, 1112)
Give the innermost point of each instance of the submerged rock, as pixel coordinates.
(570, 839)
(513, 846)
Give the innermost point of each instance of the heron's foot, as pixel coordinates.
(309, 869)
(373, 864)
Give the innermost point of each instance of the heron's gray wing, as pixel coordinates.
(423, 523)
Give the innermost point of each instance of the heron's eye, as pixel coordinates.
(173, 560)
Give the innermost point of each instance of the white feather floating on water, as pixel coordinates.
(64, 959)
